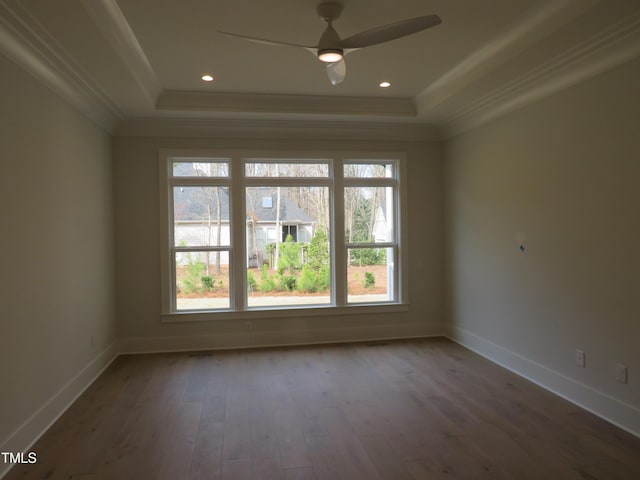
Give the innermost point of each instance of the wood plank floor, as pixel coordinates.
(424, 409)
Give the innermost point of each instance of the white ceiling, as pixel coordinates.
(144, 58)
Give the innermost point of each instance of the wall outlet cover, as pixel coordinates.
(621, 373)
(581, 358)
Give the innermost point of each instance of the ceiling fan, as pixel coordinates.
(331, 49)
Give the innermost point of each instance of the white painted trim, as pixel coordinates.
(237, 218)
(178, 100)
(607, 49)
(538, 22)
(339, 282)
(300, 311)
(110, 20)
(275, 129)
(26, 43)
(621, 414)
(23, 438)
(287, 338)
(403, 240)
(239, 310)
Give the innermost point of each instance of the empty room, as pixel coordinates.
(309, 239)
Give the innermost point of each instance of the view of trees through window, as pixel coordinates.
(369, 222)
(288, 234)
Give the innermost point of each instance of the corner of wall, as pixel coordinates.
(22, 439)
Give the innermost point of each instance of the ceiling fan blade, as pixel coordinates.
(266, 41)
(336, 72)
(389, 32)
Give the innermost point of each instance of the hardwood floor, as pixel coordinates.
(424, 409)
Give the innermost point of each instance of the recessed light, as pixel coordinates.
(207, 78)
(385, 84)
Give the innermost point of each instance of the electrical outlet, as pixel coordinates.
(581, 358)
(621, 373)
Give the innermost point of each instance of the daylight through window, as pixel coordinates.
(251, 233)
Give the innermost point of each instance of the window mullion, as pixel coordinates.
(237, 268)
(401, 235)
(167, 264)
(286, 182)
(202, 248)
(370, 245)
(198, 182)
(370, 182)
(339, 267)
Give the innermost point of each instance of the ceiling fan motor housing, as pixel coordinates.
(329, 11)
(329, 45)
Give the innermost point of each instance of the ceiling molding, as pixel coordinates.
(537, 23)
(186, 101)
(607, 49)
(497, 79)
(28, 45)
(110, 20)
(285, 129)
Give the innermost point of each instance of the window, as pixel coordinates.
(290, 231)
(200, 242)
(247, 233)
(369, 205)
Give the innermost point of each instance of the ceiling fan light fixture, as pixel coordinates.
(330, 55)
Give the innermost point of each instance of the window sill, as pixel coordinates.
(299, 312)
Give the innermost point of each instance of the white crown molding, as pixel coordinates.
(176, 100)
(605, 50)
(286, 129)
(110, 20)
(26, 42)
(537, 23)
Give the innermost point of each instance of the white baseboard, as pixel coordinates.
(23, 438)
(278, 338)
(610, 409)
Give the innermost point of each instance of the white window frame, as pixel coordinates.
(394, 183)
(236, 182)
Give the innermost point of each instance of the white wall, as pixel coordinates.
(56, 255)
(138, 253)
(563, 174)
